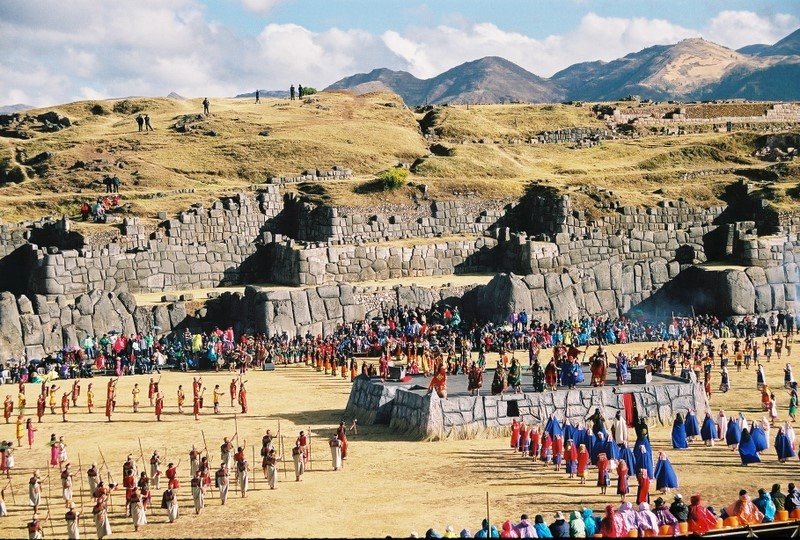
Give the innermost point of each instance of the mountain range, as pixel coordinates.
(688, 70)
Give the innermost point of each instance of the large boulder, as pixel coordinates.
(105, 318)
(737, 294)
(10, 327)
(503, 295)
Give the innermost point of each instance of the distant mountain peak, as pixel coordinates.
(693, 68)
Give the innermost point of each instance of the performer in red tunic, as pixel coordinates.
(551, 375)
(583, 462)
(341, 434)
(196, 405)
(243, 397)
(76, 392)
(536, 439)
(8, 408)
(558, 451)
(439, 383)
(159, 405)
(172, 476)
(151, 391)
(302, 439)
(65, 406)
(524, 438)
(515, 429)
(233, 391)
(40, 406)
(603, 476)
(547, 449)
(643, 492)
(622, 480)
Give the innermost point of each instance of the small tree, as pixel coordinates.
(393, 178)
(309, 90)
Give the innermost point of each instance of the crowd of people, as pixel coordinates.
(98, 210)
(661, 518)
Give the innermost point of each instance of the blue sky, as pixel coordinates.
(537, 18)
(89, 49)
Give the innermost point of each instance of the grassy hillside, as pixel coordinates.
(242, 143)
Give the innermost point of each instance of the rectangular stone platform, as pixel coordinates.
(407, 407)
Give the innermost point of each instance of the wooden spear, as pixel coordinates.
(80, 468)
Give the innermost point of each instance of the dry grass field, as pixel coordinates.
(390, 485)
(241, 143)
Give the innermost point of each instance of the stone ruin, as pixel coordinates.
(408, 408)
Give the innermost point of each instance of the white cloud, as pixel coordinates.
(736, 29)
(85, 49)
(260, 6)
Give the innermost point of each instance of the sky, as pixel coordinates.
(58, 51)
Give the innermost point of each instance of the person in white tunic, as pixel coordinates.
(244, 475)
(66, 483)
(271, 462)
(198, 493)
(336, 452)
(92, 475)
(35, 529)
(194, 461)
(722, 425)
(138, 515)
(299, 464)
(71, 517)
(619, 429)
(3, 509)
(35, 491)
(101, 523)
(169, 502)
(221, 480)
(155, 470)
(226, 452)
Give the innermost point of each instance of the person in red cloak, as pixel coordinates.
(701, 520)
(233, 391)
(551, 375)
(172, 476)
(546, 453)
(643, 492)
(439, 383)
(341, 434)
(76, 392)
(524, 437)
(583, 462)
(536, 438)
(515, 429)
(243, 397)
(558, 451)
(196, 405)
(40, 405)
(613, 524)
(603, 474)
(159, 405)
(622, 480)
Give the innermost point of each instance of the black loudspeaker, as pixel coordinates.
(396, 373)
(640, 376)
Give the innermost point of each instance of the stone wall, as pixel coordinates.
(200, 248)
(437, 218)
(313, 175)
(320, 309)
(293, 264)
(33, 327)
(427, 416)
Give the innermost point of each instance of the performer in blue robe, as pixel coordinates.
(734, 433)
(626, 454)
(692, 426)
(569, 431)
(747, 449)
(665, 474)
(759, 438)
(598, 447)
(709, 430)
(553, 427)
(679, 433)
(610, 448)
(783, 446)
(643, 456)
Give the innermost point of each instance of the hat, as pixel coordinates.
(659, 502)
(524, 516)
(559, 515)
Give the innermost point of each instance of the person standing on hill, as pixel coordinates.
(147, 126)
(258, 96)
(205, 106)
(291, 93)
(140, 121)
(299, 91)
